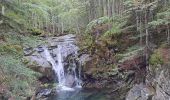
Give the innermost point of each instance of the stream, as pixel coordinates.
(69, 76)
(80, 94)
(62, 54)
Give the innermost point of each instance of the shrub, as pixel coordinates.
(36, 31)
(94, 23)
(19, 78)
(156, 59)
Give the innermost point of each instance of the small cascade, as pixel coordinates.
(57, 67)
(67, 79)
(77, 77)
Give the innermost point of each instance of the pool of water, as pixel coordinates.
(80, 94)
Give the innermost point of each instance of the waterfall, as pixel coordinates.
(67, 80)
(57, 67)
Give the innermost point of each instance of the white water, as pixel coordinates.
(57, 65)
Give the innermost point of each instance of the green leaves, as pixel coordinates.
(13, 72)
(156, 59)
(162, 18)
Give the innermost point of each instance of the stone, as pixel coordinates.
(43, 93)
(84, 58)
(139, 92)
(70, 81)
(38, 61)
(39, 49)
(54, 41)
(28, 51)
(162, 84)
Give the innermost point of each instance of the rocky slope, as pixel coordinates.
(156, 86)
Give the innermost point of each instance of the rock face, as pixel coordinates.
(157, 86)
(37, 61)
(157, 83)
(161, 81)
(43, 58)
(140, 92)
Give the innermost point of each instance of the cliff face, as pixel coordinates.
(156, 86)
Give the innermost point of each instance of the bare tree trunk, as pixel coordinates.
(33, 22)
(53, 25)
(3, 13)
(78, 29)
(100, 8)
(147, 39)
(168, 31)
(62, 28)
(3, 10)
(46, 24)
(105, 7)
(36, 22)
(113, 7)
(140, 30)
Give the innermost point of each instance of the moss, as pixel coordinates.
(156, 59)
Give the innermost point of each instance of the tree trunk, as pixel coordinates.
(105, 7)
(140, 30)
(53, 25)
(78, 29)
(168, 31)
(62, 28)
(147, 39)
(46, 24)
(3, 10)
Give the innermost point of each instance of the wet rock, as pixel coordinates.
(38, 63)
(39, 49)
(70, 81)
(37, 60)
(53, 41)
(44, 93)
(28, 51)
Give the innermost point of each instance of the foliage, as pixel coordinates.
(116, 30)
(14, 73)
(36, 31)
(45, 15)
(32, 41)
(130, 53)
(156, 59)
(86, 41)
(117, 25)
(94, 23)
(162, 18)
(19, 78)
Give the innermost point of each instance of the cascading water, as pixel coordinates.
(57, 67)
(66, 79)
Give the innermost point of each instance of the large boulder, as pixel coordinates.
(35, 59)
